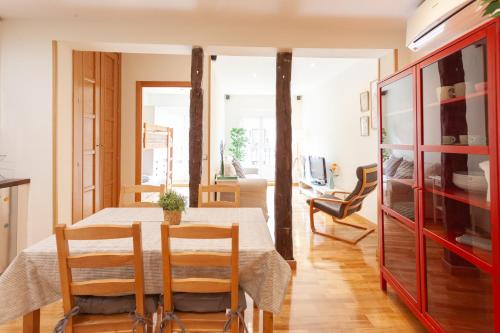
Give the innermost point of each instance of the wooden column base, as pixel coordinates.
(31, 322)
(292, 264)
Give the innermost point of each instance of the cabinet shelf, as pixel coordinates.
(468, 198)
(399, 112)
(459, 99)
(477, 257)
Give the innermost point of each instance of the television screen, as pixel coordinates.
(318, 168)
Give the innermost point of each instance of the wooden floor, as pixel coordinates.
(334, 289)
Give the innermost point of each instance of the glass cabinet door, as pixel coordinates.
(454, 98)
(398, 182)
(398, 146)
(456, 196)
(398, 114)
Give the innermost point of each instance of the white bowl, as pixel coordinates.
(473, 181)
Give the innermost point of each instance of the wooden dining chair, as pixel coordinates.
(220, 189)
(100, 305)
(139, 189)
(196, 303)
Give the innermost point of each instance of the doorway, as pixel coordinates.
(162, 135)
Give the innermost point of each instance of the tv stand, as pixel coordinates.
(310, 189)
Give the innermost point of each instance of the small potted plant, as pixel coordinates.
(334, 167)
(173, 205)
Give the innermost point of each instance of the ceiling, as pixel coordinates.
(144, 9)
(236, 75)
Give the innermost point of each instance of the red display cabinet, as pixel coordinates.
(438, 217)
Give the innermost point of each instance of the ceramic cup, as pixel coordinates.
(448, 139)
(445, 92)
(476, 140)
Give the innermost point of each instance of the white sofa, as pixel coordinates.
(253, 190)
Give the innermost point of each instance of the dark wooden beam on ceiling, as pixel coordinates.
(283, 191)
(196, 125)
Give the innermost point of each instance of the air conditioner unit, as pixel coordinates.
(436, 22)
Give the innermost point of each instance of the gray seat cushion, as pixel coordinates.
(332, 208)
(206, 303)
(114, 304)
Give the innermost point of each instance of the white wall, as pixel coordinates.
(331, 126)
(26, 126)
(26, 81)
(217, 120)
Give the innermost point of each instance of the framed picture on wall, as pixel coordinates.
(374, 103)
(364, 125)
(364, 101)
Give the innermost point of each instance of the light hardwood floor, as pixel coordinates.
(334, 289)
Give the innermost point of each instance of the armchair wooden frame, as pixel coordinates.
(206, 322)
(353, 203)
(209, 189)
(139, 189)
(101, 287)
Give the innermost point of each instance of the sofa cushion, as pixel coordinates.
(405, 170)
(239, 169)
(229, 170)
(108, 305)
(391, 165)
(204, 303)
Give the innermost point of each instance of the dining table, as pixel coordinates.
(32, 279)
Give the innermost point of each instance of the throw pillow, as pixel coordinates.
(391, 165)
(239, 169)
(405, 170)
(229, 170)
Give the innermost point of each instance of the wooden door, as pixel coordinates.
(86, 111)
(109, 131)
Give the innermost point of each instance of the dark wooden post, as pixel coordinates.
(283, 192)
(196, 125)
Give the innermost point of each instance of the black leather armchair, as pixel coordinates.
(339, 208)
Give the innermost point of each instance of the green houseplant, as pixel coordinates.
(491, 7)
(173, 205)
(238, 143)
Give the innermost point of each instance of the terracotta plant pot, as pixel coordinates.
(172, 218)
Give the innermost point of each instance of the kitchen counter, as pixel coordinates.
(11, 182)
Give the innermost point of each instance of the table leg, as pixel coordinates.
(31, 322)
(268, 322)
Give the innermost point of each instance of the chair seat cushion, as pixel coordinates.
(108, 305)
(331, 208)
(206, 303)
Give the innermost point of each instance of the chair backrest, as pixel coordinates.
(209, 189)
(100, 287)
(199, 259)
(139, 189)
(367, 182)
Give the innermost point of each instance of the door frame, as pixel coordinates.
(118, 135)
(138, 119)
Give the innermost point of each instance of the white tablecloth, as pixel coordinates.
(32, 279)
